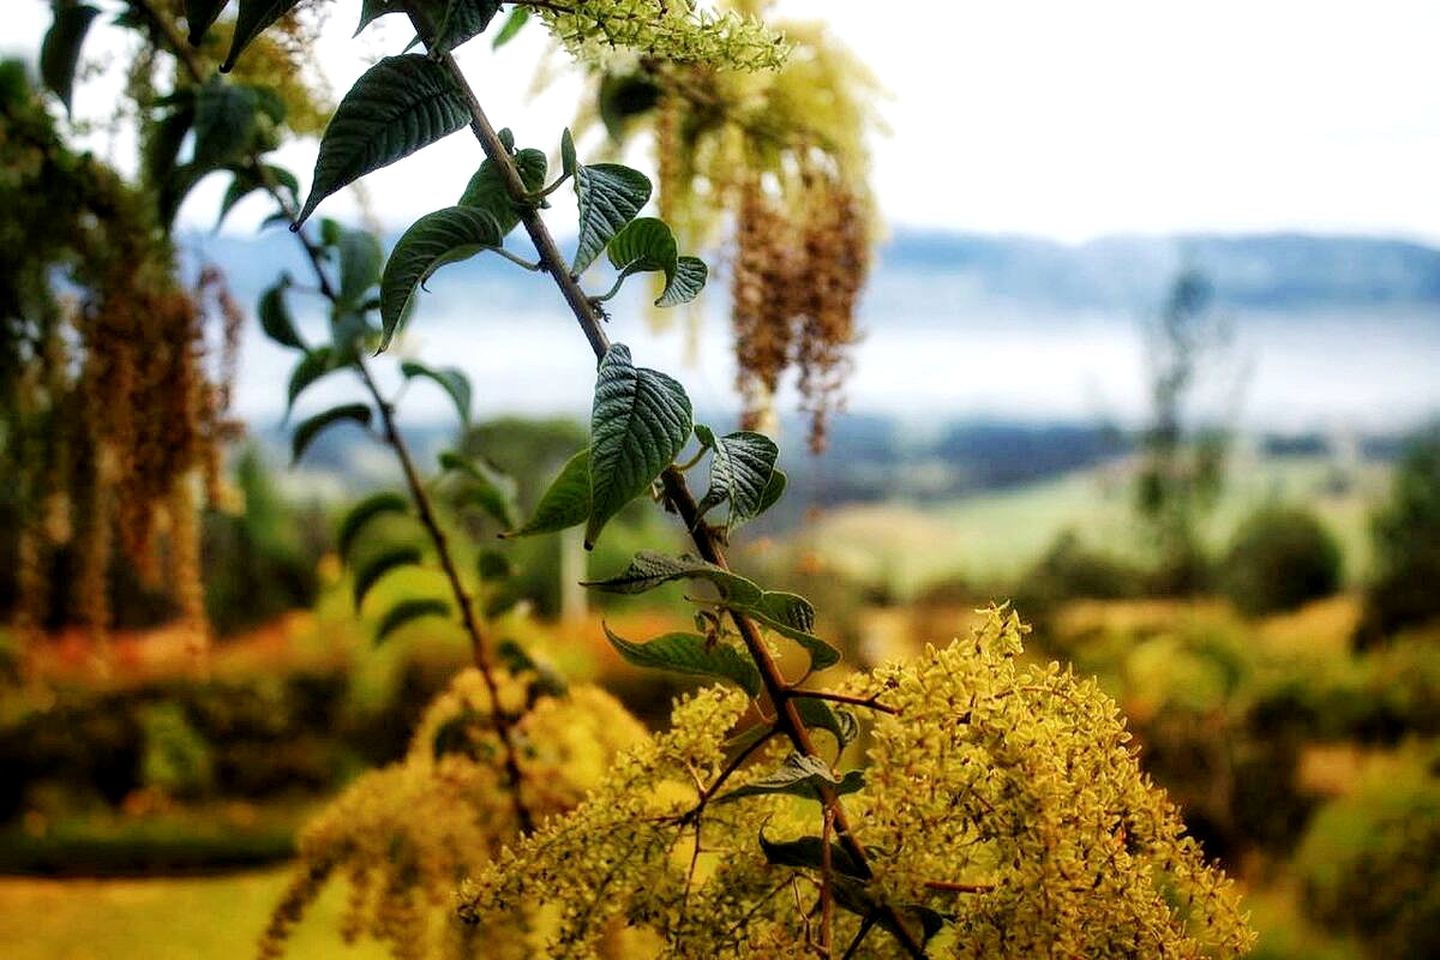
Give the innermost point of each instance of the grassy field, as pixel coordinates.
(217, 918)
(996, 535)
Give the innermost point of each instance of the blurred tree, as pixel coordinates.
(1183, 465)
(1280, 558)
(1405, 587)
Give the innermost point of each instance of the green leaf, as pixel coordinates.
(408, 611)
(400, 105)
(275, 317)
(788, 614)
(374, 568)
(774, 490)
(645, 245)
(451, 380)
(488, 489)
(798, 776)
(565, 503)
(372, 10)
(307, 430)
(689, 279)
(791, 615)
(200, 15)
(567, 144)
(312, 366)
(512, 26)
(492, 565)
(163, 147)
(487, 191)
(740, 472)
(445, 236)
(375, 505)
(690, 653)
(246, 182)
(250, 21)
(350, 330)
(640, 420)
(816, 713)
(60, 50)
(224, 123)
(462, 20)
(808, 852)
(360, 259)
(610, 196)
(648, 570)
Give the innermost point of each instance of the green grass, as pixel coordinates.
(214, 918)
(995, 536)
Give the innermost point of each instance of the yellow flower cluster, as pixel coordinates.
(1020, 782)
(403, 837)
(678, 31)
(1002, 805)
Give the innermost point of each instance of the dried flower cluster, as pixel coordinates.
(121, 407)
(403, 837)
(795, 283)
(1003, 801)
(679, 31)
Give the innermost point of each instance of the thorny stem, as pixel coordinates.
(586, 314)
(479, 649)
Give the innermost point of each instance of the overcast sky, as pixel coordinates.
(1052, 117)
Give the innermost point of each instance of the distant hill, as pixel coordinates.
(1272, 271)
(1269, 271)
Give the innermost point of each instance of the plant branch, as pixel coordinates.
(479, 649)
(950, 886)
(173, 41)
(870, 703)
(586, 314)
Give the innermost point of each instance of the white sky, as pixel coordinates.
(1052, 117)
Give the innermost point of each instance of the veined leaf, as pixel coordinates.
(690, 653)
(519, 16)
(645, 245)
(308, 430)
(774, 490)
(275, 316)
(360, 259)
(250, 21)
(460, 20)
(375, 568)
(640, 420)
(798, 776)
(648, 570)
(449, 379)
(740, 472)
(400, 105)
(808, 853)
(610, 196)
(60, 50)
(565, 503)
(445, 236)
(312, 366)
(200, 15)
(689, 279)
(376, 505)
(492, 491)
(406, 612)
(841, 723)
(788, 614)
(487, 191)
(224, 123)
